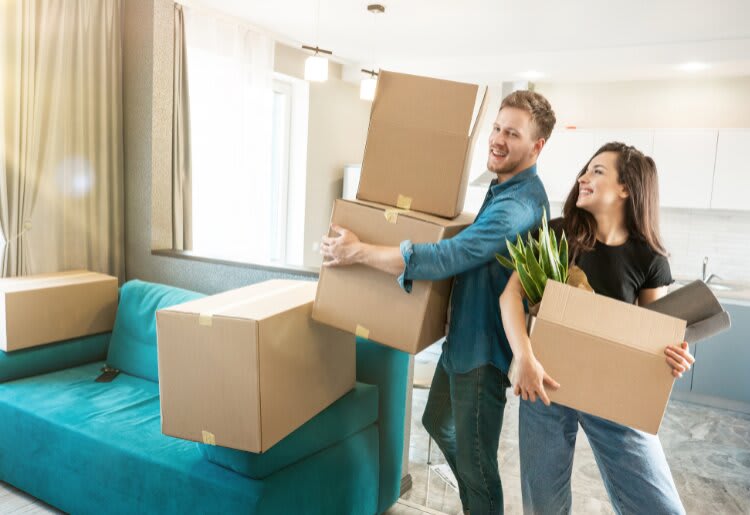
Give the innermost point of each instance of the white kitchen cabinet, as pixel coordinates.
(732, 173)
(564, 155)
(685, 163)
(642, 139)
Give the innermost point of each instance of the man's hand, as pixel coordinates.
(679, 358)
(531, 380)
(343, 249)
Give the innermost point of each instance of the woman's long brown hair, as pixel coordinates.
(637, 172)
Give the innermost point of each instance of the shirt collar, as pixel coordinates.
(497, 187)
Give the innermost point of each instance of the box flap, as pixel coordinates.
(255, 302)
(609, 319)
(424, 103)
(461, 220)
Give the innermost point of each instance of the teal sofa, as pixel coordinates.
(87, 447)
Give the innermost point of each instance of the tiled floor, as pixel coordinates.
(708, 451)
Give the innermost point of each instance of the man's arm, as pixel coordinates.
(346, 249)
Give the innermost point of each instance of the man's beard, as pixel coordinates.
(506, 168)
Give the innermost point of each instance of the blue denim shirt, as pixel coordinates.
(475, 334)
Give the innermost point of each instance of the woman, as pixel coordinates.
(611, 221)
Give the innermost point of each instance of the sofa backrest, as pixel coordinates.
(132, 348)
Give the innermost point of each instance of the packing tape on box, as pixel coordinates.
(392, 214)
(205, 318)
(403, 202)
(46, 282)
(362, 332)
(208, 438)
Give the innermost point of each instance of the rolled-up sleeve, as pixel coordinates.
(472, 247)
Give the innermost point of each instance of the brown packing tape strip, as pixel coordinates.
(403, 202)
(392, 215)
(362, 332)
(206, 319)
(208, 438)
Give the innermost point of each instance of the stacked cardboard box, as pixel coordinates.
(40, 309)
(413, 184)
(244, 368)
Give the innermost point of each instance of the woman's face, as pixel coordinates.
(599, 191)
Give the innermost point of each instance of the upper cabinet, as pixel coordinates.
(642, 139)
(732, 172)
(563, 156)
(685, 163)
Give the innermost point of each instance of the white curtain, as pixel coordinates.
(61, 162)
(230, 73)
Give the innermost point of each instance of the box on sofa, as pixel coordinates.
(244, 368)
(40, 309)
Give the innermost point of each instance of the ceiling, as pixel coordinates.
(494, 41)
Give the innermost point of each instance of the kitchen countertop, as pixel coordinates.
(736, 293)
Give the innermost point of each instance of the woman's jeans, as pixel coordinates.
(632, 463)
(464, 415)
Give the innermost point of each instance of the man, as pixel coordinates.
(464, 411)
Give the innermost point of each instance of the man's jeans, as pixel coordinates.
(464, 415)
(632, 463)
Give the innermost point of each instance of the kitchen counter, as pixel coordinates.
(728, 292)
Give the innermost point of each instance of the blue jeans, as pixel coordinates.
(464, 415)
(632, 463)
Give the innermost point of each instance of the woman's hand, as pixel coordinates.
(531, 379)
(342, 249)
(679, 358)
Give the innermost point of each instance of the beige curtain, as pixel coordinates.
(61, 168)
(182, 195)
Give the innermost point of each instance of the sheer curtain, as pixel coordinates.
(230, 72)
(61, 192)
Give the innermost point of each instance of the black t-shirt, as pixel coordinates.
(622, 271)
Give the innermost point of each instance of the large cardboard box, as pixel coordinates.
(46, 308)
(419, 143)
(245, 368)
(607, 355)
(370, 303)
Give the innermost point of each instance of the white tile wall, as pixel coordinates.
(691, 234)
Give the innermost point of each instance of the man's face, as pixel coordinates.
(513, 143)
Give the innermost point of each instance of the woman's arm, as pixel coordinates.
(531, 376)
(678, 356)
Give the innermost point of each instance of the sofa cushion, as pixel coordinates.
(133, 346)
(88, 448)
(55, 356)
(350, 414)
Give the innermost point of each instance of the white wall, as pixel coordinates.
(689, 234)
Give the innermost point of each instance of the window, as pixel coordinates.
(240, 121)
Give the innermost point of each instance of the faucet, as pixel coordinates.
(707, 279)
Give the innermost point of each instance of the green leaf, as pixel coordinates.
(532, 293)
(535, 271)
(507, 263)
(515, 254)
(564, 256)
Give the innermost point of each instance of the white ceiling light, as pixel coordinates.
(368, 85)
(316, 67)
(693, 66)
(532, 75)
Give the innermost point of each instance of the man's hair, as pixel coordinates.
(542, 115)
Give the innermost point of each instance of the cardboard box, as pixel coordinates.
(40, 309)
(245, 368)
(370, 303)
(419, 143)
(607, 355)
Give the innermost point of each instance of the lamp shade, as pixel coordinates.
(316, 68)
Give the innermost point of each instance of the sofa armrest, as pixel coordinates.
(55, 356)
